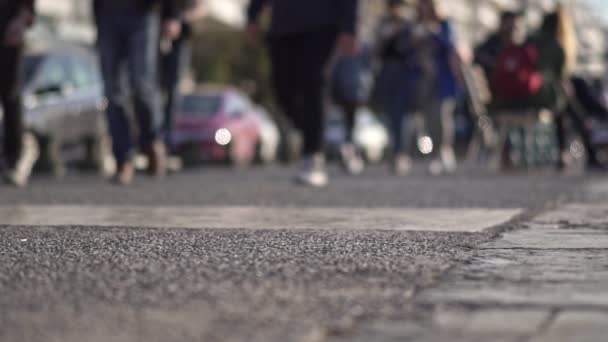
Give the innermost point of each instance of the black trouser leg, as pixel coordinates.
(350, 116)
(10, 93)
(172, 65)
(299, 62)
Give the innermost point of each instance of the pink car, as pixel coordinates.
(216, 124)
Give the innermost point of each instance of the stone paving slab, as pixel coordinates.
(544, 278)
(550, 237)
(267, 218)
(546, 283)
(458, 326)
(576, 214)
(579, 326)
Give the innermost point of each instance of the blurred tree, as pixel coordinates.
(221, 56)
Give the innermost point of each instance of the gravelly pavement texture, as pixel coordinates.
(181, 285)
(98, 284)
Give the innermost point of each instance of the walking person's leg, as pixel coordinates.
(351, 159)
(13, 118)
(439, 114)
(396, 109)
(173, 64)
(298, 63)
(448, 155)
(20, 156)
(314, 50)
(142, 66)
(111, 46)
(281, 57)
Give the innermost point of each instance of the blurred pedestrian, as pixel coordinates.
(556, 49)
(437, 87)
(174, 60)
(395, 84)
(302, 38)
(487, 53)
(351, 83)
(128, 38)
(20, 152)
(557, 56)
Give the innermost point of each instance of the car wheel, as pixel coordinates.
(50, 160)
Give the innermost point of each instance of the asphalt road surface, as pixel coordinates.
(96, 282)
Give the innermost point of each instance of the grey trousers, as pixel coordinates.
(439, 122)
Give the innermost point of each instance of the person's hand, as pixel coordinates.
(347, 45)
(15, 31)
(251, 35)
(172, 29)
(433, 27)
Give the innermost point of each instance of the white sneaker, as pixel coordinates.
(20, 174)
(448, 158)
(436, 167)
(402, 164)
(351, 160)
(312, 172)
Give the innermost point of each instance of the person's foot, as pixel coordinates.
(402, 164)
(125, 172)
(157, 159)
(312, 172)
(448, 159)
(351, 160)
(19, 175)
(436, 167)
(175, 164)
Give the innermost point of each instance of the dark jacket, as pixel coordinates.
(10, 8)
(169, 9)
(486, 55)
(300, 16)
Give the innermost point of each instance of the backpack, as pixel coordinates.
(516, 75)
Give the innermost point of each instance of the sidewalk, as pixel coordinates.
(547, 282)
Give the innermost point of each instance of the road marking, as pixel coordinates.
(437, 220)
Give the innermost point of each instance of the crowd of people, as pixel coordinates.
(416, 65)
(144, 42)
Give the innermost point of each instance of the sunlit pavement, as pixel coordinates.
(215, 255)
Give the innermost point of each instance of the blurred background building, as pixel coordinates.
(71, 19)
(473, 19)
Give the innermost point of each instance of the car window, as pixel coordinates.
(201, 104)
(236, 105)
(30, 67)
(82, 72)
(54, 73)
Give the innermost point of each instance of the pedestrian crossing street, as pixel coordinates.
(260, 218)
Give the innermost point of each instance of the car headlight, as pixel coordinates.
(223, 136)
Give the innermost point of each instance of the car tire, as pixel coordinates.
(50, 160)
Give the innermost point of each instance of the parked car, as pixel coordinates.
(370, 136)
(64, 105)
(217, 124)
(270, 137)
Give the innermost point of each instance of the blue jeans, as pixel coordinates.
(128, 41)
(397, 89)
